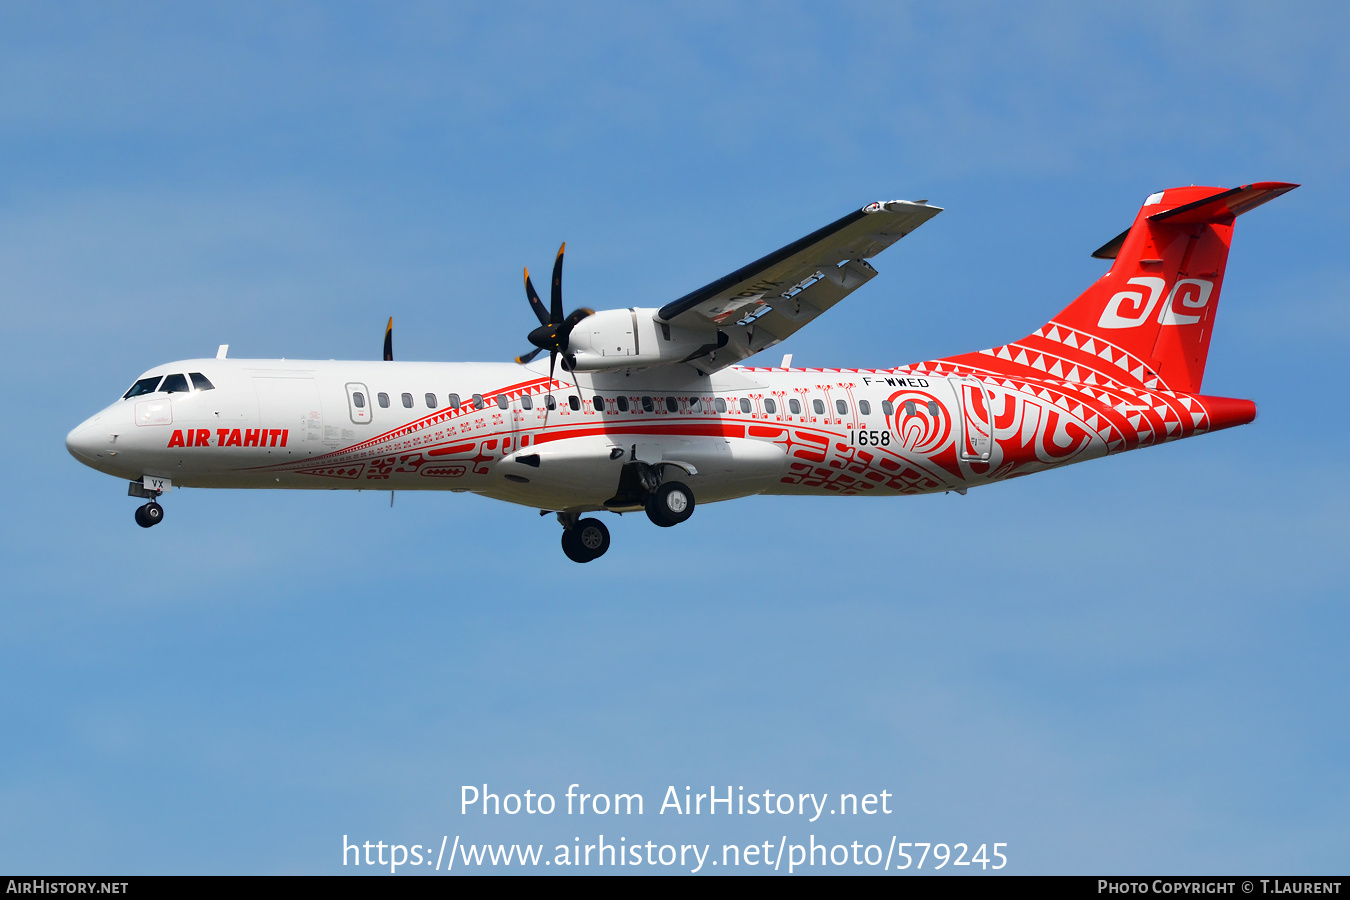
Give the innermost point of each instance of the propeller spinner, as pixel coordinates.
(554, 329)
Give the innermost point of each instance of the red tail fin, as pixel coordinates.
(1158, 302)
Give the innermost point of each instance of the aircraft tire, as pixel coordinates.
(149, 515)
(573, 548)
(593, 537)
(671, 504)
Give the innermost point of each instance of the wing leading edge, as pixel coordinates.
(765, 302)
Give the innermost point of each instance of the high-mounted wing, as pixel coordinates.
(763, 303)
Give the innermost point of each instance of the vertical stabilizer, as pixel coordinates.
(1159, 301)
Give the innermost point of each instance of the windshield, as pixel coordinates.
(144, 386)
(174, 384)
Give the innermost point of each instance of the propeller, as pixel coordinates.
(389, 357)
(554, 329)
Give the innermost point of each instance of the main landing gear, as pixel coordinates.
(670, 503)
(583, 540)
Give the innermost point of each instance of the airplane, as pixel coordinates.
(651, 407)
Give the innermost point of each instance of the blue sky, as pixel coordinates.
(1132, 665)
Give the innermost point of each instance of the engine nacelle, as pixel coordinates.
(629, 338)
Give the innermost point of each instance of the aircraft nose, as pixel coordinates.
(90, 441)
(80, 444)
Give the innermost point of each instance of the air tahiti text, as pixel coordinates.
(229, 437)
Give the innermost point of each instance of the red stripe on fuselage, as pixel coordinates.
(692, 429)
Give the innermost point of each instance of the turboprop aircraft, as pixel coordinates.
(650, 408)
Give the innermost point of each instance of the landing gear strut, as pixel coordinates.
(583, 540)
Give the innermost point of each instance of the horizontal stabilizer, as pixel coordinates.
(1218, 207)
(1224, 204)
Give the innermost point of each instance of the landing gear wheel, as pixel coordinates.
(671, 504)
(593, 537)
(149, 514)
(586, 540)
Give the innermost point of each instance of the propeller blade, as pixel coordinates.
(554, 330)
(575, 383)
(389, 341)
(535, 303)
(555, 295)
(552, 359)
(571, 322)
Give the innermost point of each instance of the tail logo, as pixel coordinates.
(1194, 294)
(1139, 310)
(1196, 299)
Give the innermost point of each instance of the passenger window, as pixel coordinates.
(479, 402)
(842, 406)
(551, 402)
(384, 399)
(818, 406)
(864, 407)
(431, 401)
(745, 405)
(795, 407)
(503, 401)
(933, 406)
(526, 401)
(770, 407)
(573, 402)
(454, 401)
(648, 405)
(719, 404)
(407, 401)
(694, 404)
(174, 384)
(909, 408)
(623, 404)
(200, 382)
(672, 405)
(358, 400)
(599, 403)
(888, 407)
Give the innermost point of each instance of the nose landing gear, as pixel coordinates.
(150, 514)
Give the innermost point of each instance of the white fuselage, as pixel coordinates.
(609, 437)
(393, 426)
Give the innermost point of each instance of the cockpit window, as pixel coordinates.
(200, 382)
(174, 384)
(144, 386)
